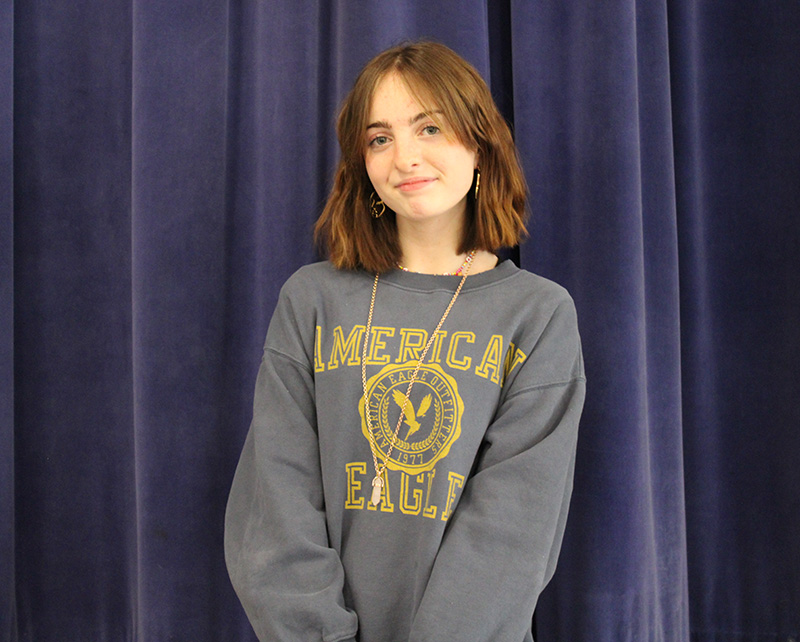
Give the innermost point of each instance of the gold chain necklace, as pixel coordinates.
(464, 265)
(377, 481)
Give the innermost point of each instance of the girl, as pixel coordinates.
(409, 466)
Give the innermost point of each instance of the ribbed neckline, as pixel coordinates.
(433, 282)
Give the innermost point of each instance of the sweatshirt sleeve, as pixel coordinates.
(502, 543)
(286, 575)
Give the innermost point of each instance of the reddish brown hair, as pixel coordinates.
(438, 78)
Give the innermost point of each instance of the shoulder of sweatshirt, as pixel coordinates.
(320, 280)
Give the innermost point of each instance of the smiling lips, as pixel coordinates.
(413, 184)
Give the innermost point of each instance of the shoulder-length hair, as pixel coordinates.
(440, 80)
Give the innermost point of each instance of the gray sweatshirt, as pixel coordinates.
(478, 483)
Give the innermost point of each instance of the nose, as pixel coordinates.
(406, 153)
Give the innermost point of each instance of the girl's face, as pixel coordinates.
(417, 167)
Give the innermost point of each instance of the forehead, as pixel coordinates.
(393, 97)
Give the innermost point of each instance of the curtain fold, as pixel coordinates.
(161, 167)
(178, 278)
(7, 598)
(73, 520)
(736, 82)
(593, 122)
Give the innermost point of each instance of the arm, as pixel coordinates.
(276, 545)
(503, 539)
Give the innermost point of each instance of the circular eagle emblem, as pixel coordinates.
(431, 421)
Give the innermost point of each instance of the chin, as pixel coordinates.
(423, 213)
(418, 216)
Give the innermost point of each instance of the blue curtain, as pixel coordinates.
(161, 166)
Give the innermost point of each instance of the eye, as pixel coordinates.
(430, 130)
(378, 141)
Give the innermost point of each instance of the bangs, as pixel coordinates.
(440, 99)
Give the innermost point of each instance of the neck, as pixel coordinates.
(428, 250)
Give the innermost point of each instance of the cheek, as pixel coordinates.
(378, 175)
(373, 170)
(460, 163)
(466, 172)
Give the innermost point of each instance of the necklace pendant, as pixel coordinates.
(377, 485)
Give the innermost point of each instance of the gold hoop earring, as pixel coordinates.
(477, 181)
(376, 206)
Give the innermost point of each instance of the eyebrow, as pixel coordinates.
(382, 124)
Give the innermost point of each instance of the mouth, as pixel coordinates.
(413, 184)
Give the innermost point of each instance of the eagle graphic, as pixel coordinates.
(409, 415)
